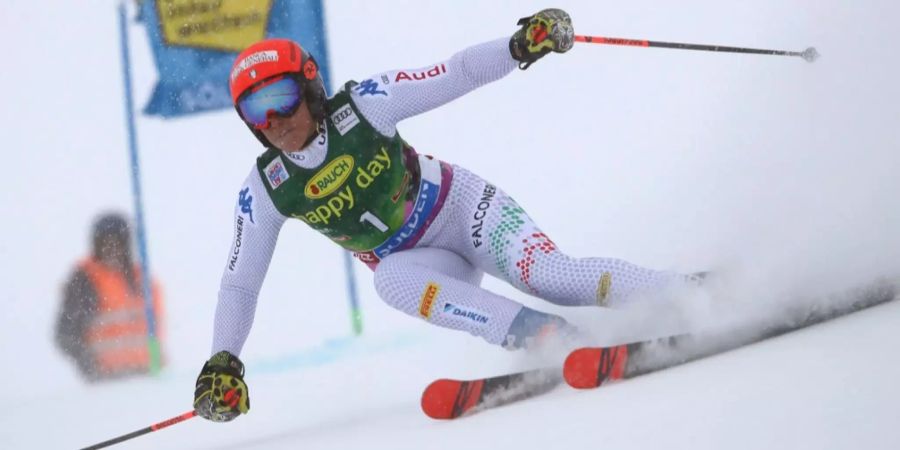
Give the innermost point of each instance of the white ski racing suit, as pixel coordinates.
(477, 229)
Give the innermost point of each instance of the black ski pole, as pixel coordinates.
(810, 54)
(143, 431)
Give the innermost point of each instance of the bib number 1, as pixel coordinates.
(374, 220)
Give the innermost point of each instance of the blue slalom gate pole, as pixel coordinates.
(355, 311)
(152, 340)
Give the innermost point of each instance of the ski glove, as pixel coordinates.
(221, 394)
(546, 31)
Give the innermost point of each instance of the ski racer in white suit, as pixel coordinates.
(429, 229)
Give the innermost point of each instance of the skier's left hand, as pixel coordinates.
(548, 30)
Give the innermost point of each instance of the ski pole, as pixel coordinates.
(143, 431)
(810, 54)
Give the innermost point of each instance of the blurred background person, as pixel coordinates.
(102, 323)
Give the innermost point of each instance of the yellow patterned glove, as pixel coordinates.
(546, 31)
(221, 394)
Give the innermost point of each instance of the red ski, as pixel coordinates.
(591, 367)
(449, 399)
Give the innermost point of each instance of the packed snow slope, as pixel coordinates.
(778, 174)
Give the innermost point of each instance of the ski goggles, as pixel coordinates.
(279, 95)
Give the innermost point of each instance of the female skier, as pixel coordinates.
(429, 229)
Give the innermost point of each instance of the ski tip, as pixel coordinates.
(580, 368)
(589, 367)
(438, 400)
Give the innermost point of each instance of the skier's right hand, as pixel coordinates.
(221, 394)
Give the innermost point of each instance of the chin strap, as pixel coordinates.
(320, 131)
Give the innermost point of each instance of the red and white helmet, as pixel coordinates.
(271, 57)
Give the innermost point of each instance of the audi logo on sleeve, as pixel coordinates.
(344, 119)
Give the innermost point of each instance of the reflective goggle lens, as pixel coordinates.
(281, 97)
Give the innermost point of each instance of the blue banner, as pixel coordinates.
(195, 42)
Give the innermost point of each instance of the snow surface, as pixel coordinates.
(778, 173)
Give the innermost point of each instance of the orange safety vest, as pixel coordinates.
(117, 335)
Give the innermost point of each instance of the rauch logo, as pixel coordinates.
(329, 178)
